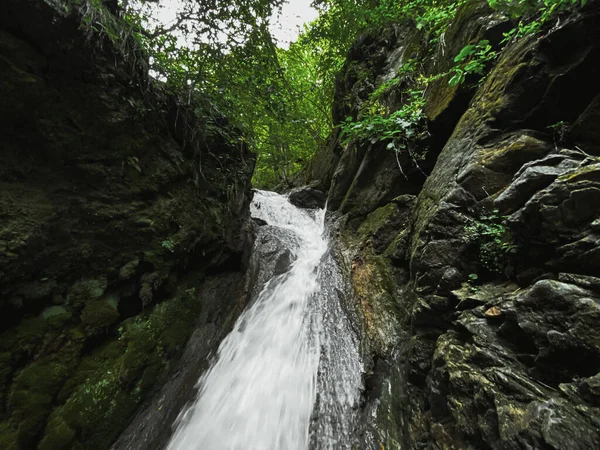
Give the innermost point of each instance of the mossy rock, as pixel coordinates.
(93, 403)
(33, 391)
(375, 286)
(57, 317)
(175, 320)
(97, 412)
(97, 316)
(25, 337)
(6, 368)
(59, 435)
(101, 361)
(162, 336)
(377, 220)
(85, 290)
(32, 425)
(44, 378)
(8, 436)
(141, 352)
(108, 385)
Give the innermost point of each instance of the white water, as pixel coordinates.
(261, 391)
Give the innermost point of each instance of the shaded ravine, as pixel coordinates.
(288, 376)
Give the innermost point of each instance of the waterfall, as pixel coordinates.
(288, 376)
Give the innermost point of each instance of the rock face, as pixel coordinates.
(476, 289)
(307, 197)
(124, 228)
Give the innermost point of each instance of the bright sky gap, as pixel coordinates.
(285, 27)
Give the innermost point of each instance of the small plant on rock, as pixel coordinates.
(495, 242)
(559, 130)
(472, 282)
(168, 245)
(472, 59)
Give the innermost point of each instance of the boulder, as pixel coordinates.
(307, 197)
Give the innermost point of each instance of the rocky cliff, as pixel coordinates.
(123, 227)
(476, 266)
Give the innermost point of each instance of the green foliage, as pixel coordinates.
(472, 59)
(401, 128)
(533, 15)
(543, 8)
(168, 245)
(559, 130)
(277, 101)
(472, 281)
(398, 128)
(221, 55)
(494, 241)
(431, 16)
(190, 293)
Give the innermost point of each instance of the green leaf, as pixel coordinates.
(456, 79)
(467, 51)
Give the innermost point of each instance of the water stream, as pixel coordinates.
(288, 376)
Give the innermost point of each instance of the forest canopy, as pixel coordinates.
(279, 99)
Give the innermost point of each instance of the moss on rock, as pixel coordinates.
(97, 316)
(374, 283)
(25, 339)
(141, 352)
(109, 383)
(5, 372)
(377, 220)
(85, 290)
(34, 389)
(57, 317)
(8, 436)
(58, 436)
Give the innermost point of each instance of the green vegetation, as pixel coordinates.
(221, 57)
(494, 241)
(277, 100)
(168, 245)
(71, 398)
(533, 15)
(472, 59)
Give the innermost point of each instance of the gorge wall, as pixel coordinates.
(475, 265)
(123, 228)
(475, 268)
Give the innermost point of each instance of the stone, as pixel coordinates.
(307, 197)
(489, 363)
(98, 170)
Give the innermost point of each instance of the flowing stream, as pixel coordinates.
(288, 376)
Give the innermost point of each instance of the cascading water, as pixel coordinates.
(288, 376)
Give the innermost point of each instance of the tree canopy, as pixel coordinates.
(278, 100)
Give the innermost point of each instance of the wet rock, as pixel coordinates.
(383, 227)
(106, 223)
(559, 317)
(584, 281)
(533, 177)
(128, 270)
(272, 255)
(307, 197)
(561, 216)
(510, 358)
(584, 130)
(284, 262)
(590, 389)
(259, 222)
(470, 296)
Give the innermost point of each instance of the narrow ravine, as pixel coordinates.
(288, 376)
